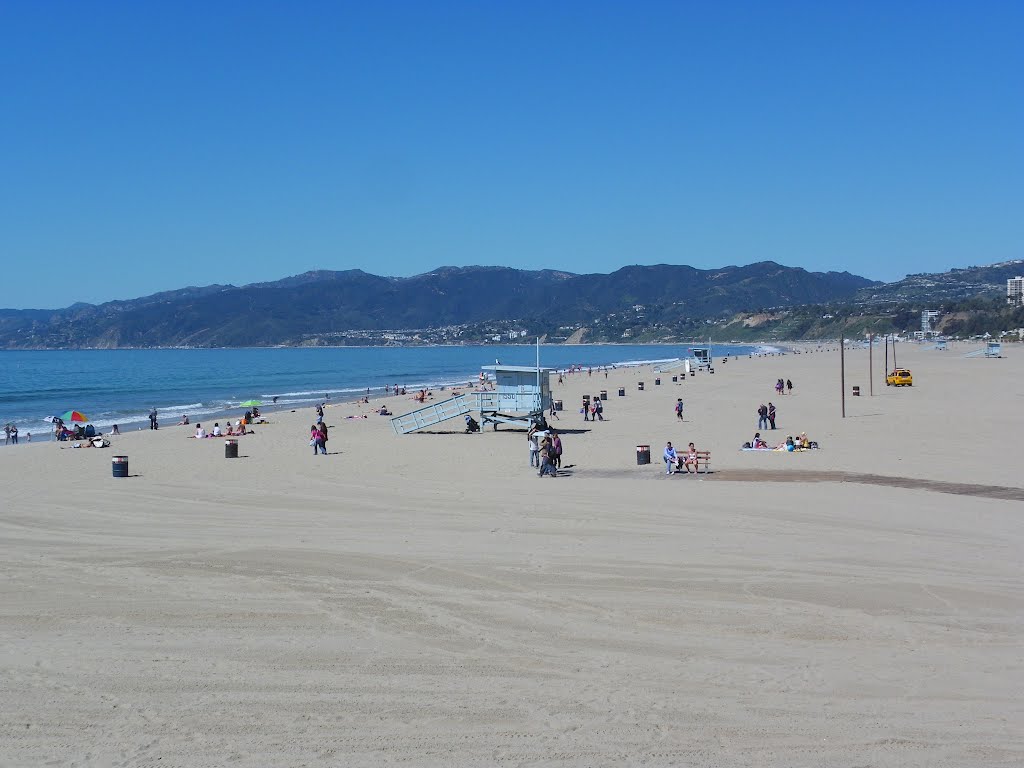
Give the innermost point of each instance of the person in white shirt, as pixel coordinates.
(200, 432)
(216, 429)
(671, 459)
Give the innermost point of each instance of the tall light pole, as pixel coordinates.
(842, 370)
(871, 364)
(886, 372)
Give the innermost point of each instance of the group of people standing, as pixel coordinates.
(766, 413)
(593, 410)
(11, 434)
(766, 416)
(545, 450)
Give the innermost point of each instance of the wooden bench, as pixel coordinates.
(703, 457)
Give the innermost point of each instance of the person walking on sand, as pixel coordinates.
(14, 434)
(556, 443)
(7, 434)
(771, 414)
(152, 419)
(586, 409)
(679, 408)
(762, 417)
(789, 386)
(671, 459)
(599, 409)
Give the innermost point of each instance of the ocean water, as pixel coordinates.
(121, 386)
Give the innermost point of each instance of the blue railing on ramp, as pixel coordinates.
(432, 414)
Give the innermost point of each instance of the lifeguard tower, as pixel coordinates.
(702, 355)
(521, 395)
(993, 349)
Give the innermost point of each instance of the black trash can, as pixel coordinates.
(657, 382)
(622, 391)
(711, 370)
(558, 405)
(643, 454)
(856, 391)
(604, 394)
(119, 465)
(675, 379)
(640, 386)
(230, 449)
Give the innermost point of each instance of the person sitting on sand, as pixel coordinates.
(184, 420)
(200, 432)
(690, 459)
(757, 442)
(114, 430)
(384, 411)
(216, 429)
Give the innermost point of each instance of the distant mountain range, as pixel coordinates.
(307, 308)
(299, 309)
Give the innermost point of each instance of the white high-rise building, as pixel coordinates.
(1015, 290)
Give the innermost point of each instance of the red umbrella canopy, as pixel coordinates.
(74, 416)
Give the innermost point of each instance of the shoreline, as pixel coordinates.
(199, 408)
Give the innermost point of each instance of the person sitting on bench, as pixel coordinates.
(690, 459)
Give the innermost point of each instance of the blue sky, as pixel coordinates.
(149, 146)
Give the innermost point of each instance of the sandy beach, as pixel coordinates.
(426, 599)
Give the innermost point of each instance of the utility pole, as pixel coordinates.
(886, 371)
(842, 370)
(871, 364)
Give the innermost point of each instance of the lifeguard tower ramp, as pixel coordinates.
(520, 397)
(992, 349)
(669, 365)
(432, 414)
